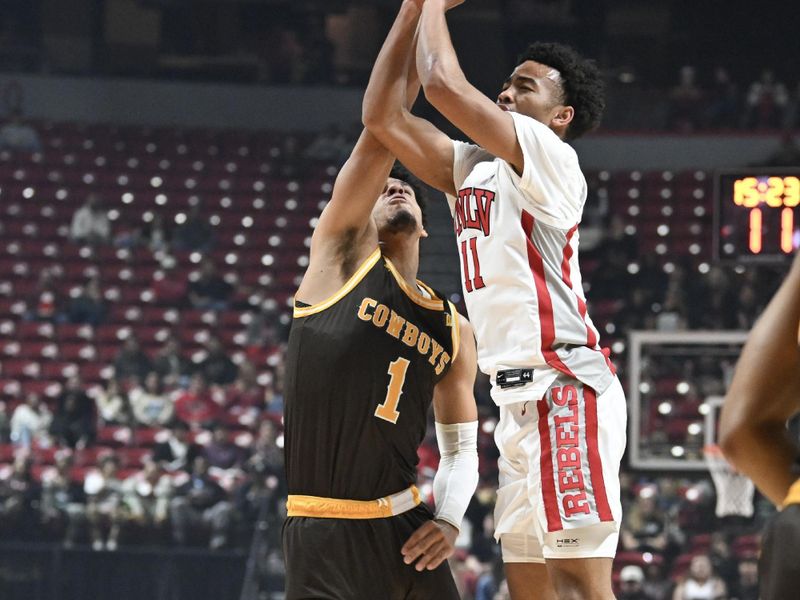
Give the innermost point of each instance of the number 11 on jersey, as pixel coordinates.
(397, 377)
(476, 282)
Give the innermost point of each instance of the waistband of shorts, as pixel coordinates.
(793, 497)
(336, 508)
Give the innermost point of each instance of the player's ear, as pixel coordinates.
(563, 117)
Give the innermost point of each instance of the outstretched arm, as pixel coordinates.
(447, 89)
(765, 393)
(362, 177)
(421, 147)
(457, 475)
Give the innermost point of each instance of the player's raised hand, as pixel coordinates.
(432, 544)
(449, 4)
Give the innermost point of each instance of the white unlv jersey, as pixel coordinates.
(518, 243)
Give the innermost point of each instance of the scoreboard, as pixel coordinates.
(756, 214)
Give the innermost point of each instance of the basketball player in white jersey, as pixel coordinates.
(517, 199)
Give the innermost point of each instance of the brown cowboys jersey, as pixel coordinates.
(360, 372)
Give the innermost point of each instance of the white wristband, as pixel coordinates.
(457, 476)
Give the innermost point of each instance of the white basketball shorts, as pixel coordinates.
(560, 455)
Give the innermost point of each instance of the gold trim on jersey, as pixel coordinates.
(455, 330)
(365, 267)
(335, 508)
(432, 304)
(793, 497)
(428, 289)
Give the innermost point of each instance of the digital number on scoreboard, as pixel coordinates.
(756, 214)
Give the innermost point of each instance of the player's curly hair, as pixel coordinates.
(401, 173)
(583, 84)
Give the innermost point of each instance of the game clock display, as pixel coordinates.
(756, 214)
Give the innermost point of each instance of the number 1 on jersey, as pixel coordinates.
(397, 377)
(476, 282)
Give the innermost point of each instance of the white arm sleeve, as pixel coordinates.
(457, 476)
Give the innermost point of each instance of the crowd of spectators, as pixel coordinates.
(215, 455)
(188, 487)
(720, 103)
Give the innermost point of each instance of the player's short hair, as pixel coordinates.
(401, 173)
(584, 88)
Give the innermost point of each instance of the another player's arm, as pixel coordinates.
(457, 477)
(447, 89)
(765, 393)
(421, 147)
(363, 177)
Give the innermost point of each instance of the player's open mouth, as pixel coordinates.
(504, 107)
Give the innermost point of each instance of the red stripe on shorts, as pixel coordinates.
(546, 468)
(595, 462)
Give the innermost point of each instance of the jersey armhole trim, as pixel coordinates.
(415, 296)
(793, 497)
(343, 291)
(455, 331)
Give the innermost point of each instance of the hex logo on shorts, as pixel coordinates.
(567, 543)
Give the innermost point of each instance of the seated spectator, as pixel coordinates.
(245, 392)
(261, 331)
(46, 303)
(685, 102)
(766, 102)
(90, 223)
(723, 562)
(155, 234)
(221, 452)
(132, 361)
(146, 495)
(170, 290)
(209, 291)
(647, 528)
(631, 579)
(273, 400)
(178, 452)
(30, 423)
(63, 501)
(267, 457)
(89, 307)
(656, 585)
(261, 498)
(746, 585)
(19, 500)
(700, 583)
(194, 234)
(171, 365)
(73, 423)
(201, 503)
(150, 405)
(723, 101)
(18, 136)
(113, 406)
(195, 406)
(104, 509)
(217, 368)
